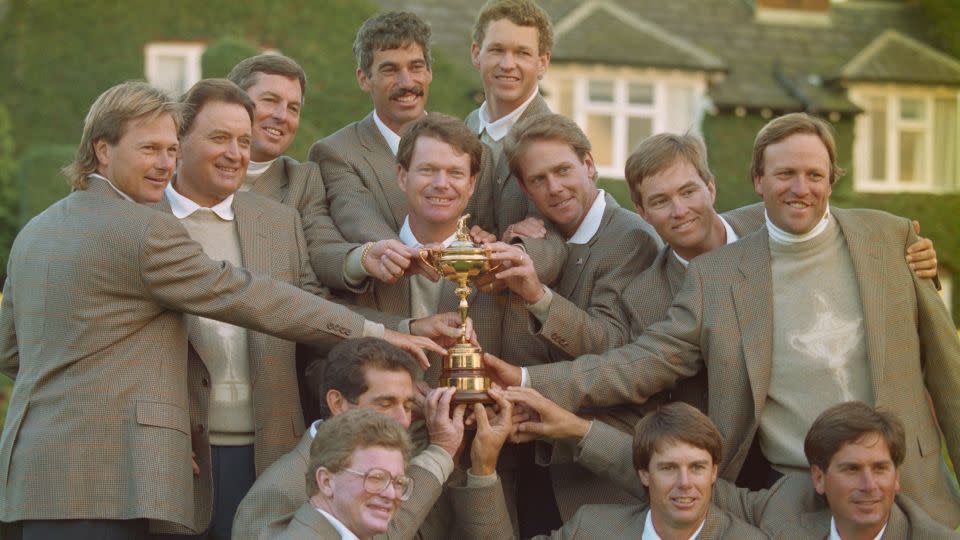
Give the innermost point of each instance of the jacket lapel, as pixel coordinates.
(381, 160)
(273, 182)
(753, 301)
(864, 249)
(816, 524)
(255, 245)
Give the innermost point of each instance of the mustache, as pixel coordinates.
(400, 92)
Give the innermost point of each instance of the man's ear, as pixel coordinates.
(324, 480)
(102, 150)
(817, 475)
(402, 178)
(644, 477)
(475, 55)
(363, 81)
(591, 166)
(336, 402)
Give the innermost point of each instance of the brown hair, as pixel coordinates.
(345, 368)
(248, 71)
(339, 437)
(847, 423)
(673, 423)
(520, 13)
(390, 30)
(443, 128)
(108, 119)
(207, 90)
(784, 126)
(659, 152)
(544, 127)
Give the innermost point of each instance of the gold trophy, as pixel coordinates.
(462, 262)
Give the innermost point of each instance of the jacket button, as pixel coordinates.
(204, 382)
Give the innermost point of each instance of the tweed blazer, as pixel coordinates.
(272, 243)
(486, 311)
(508, 202)
(648, 297)
(722, 320)
(360, 174)
(271, 503)
(309, 524)
(301, 186)
(792, 509)
(584, 315)
(628, 521)
(91, 330)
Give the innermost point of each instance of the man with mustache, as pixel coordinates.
(358, 162)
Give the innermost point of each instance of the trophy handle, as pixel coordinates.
(492, 269)
(424, 253)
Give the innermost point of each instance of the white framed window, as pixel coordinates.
(173, 66)
(907, 139)
(619, 107)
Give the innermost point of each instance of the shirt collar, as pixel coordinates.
(115, 188)
(393, 140)
(498, 129)
(649, 533)
(407, 237)
(256, 168)
(345, 533)
(835, 534)
(591, 222)
(731, 238)
(313, 427)
(183, 207)
(785, 237)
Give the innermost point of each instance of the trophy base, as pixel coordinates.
(463, 369)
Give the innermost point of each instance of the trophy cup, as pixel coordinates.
(462, 262)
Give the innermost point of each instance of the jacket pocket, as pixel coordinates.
(166, 415)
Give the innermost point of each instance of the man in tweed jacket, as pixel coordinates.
(276, 84)
(674, 454)
(364, 373)
(723, 321)
(91, 330)
(349, 452)
(857, 451)
(607, 246)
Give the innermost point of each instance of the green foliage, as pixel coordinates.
(220, 56)
(58, 57)
(39, 179)
(9, 201)
(944, 23)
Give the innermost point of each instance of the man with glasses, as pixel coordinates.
(355, 479)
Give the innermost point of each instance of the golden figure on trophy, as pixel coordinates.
(462, 262)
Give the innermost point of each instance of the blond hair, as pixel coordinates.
(108, 120)
(520, 13)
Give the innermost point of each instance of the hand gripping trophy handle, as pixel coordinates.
(462, 262)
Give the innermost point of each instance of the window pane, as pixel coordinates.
(680, 109)
(638, 129)
(564, 92)
(601, 91)
(911, 157)
(945, 144)
(640, 93)
(878, 138)
(600, 133)
(172, 73)
(912, 108)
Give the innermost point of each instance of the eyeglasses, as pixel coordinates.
(375, 482)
